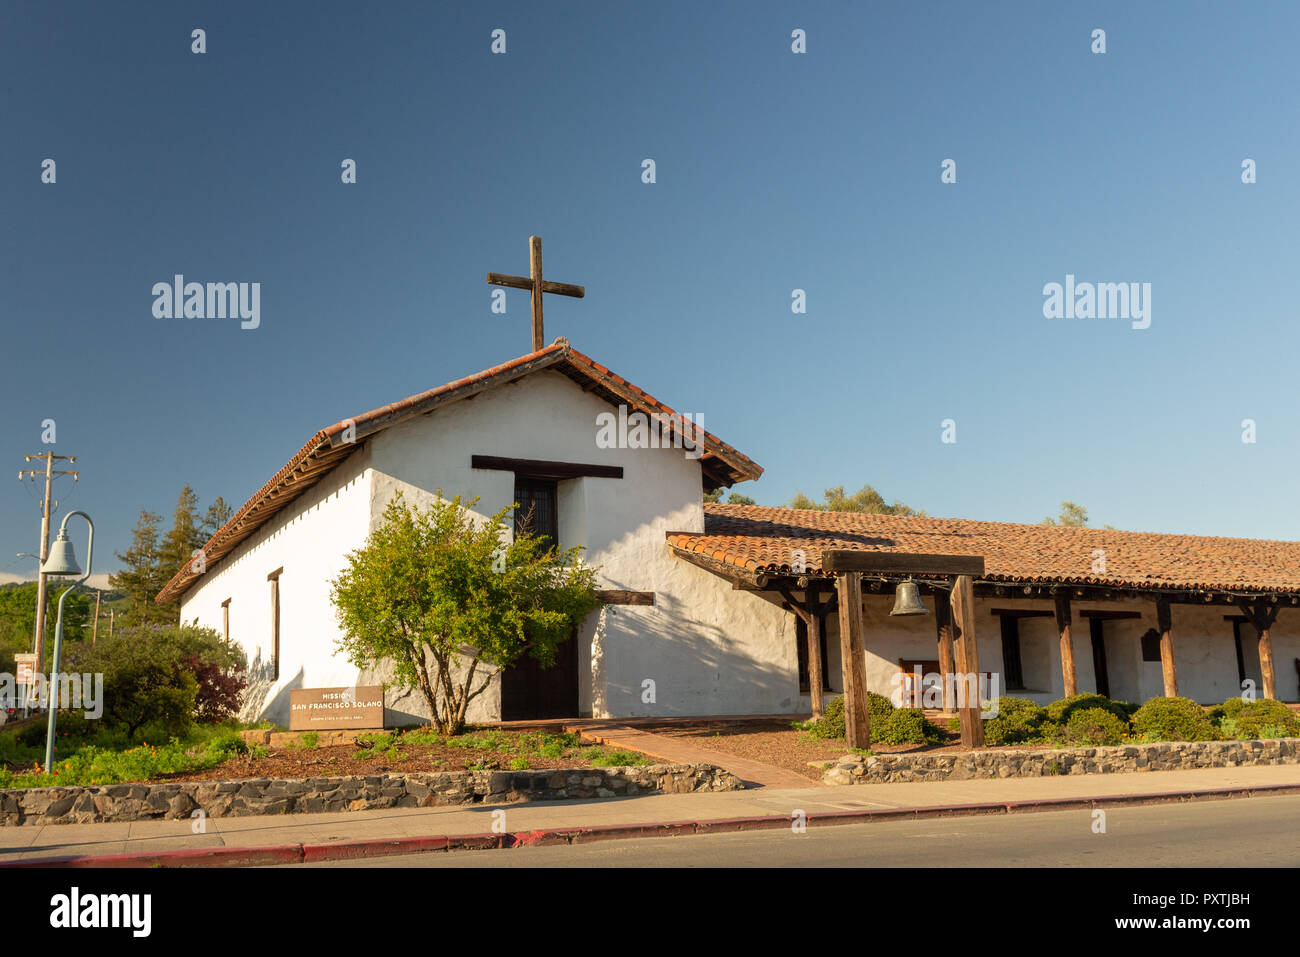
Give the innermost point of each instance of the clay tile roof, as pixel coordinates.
(762, 540)
(722, 465)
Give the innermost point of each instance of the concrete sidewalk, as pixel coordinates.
(24, 843)
(687, 751)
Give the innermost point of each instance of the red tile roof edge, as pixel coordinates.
(234, 531)
(714, 544)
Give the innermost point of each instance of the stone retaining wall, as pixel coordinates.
(142, 802)
(1043, 762)
(289, 739)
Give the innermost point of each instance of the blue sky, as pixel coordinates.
(775, 171)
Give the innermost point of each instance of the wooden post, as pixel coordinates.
(535, 274)
(1266, 664)
(1067, 644)
(947, 667)
(1164, 623)
(810, 612)
(857, 723)
(1263, 616)
(814, 631)
(94, 629)
(536, 285)
(963, 623)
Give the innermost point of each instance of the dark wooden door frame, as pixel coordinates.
(1101, 674)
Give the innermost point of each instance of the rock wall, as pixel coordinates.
(183, 800)
(1043, 762)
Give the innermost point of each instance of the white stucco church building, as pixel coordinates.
(715, 604)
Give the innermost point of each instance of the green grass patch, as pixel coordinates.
(98, 762)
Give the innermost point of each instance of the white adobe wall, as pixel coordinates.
(1203, 649)
(309, 540)
(709, 650)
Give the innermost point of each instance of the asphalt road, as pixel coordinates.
(1261, 832)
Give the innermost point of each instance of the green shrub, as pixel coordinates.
(620, 759)
(73, 725)
(160, 679)
(95, 765)
(1264, 718)
(831, 723)
(1173, 719)
(1095, 726)
(906, 726)
(879, 708)
(1018, 721)
(226, 745)
(1058, 712)
(1229, 709)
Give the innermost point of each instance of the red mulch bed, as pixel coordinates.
(348, 759)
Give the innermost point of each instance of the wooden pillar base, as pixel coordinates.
(967, 655)
(857, 722)
(1165, 626)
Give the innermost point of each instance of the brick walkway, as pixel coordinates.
(679, 751)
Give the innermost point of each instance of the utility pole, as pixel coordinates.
(94, 630)
(50, 473)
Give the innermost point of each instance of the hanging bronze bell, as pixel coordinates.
(62, 559)
(907, 600)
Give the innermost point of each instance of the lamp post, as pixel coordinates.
(62, 561)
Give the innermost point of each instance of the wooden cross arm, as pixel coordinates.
(523, 282)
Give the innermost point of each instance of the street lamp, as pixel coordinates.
(62, 561)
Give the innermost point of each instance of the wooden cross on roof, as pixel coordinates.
(535, 284)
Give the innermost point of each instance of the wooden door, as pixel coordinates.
(1097, 626)
(528, 690)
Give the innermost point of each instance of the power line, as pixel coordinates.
(50, 473)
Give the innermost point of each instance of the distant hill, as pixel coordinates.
(99, 581)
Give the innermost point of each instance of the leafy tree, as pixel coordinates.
(715, 497)
(18, 618)
(161, 678)
(866, 500)
(439, 595)
(1071, 515)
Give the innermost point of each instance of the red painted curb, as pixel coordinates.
(478, 842)
(619, 832)
(353, 850)
(185, 857)
(732, 824)
(544, 837)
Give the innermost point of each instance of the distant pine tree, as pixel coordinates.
(185, 536)
(142, 575)
(154, 558)
(217, 515)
